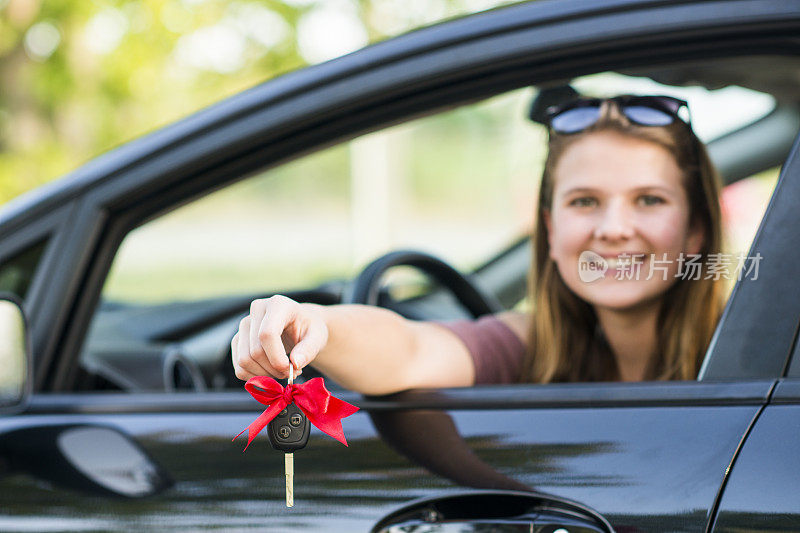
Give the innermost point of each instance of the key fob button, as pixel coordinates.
(289, 433)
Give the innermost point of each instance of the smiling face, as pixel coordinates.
(613, 195)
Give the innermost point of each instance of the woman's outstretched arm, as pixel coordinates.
(363, 348)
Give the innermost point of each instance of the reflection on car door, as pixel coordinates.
(648, 457)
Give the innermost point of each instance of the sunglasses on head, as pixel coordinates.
(578, 115)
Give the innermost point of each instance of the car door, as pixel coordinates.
(758, 495)
(765, 471)
(649, 456)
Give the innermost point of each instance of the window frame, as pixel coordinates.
(404, 78)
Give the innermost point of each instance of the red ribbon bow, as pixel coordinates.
(322, 409)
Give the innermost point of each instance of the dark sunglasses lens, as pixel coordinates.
(670, 103)
(575, 119)
(647, 116)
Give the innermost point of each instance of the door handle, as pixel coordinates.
(481, 511)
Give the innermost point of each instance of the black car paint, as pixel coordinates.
(643, 458)
(753, 500)
(649, 457)
(768, 460)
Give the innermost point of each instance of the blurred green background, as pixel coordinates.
(80, 77)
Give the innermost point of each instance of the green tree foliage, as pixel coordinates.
(79, 78)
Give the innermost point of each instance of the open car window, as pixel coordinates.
(460, 184)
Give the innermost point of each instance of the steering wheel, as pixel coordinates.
(366, 287)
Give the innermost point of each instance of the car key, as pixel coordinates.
(288, 432)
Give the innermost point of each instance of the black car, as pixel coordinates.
(133, 402)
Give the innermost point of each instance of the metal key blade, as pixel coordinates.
(289, 464)
(288, 460)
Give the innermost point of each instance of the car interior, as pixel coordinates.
(170, 329)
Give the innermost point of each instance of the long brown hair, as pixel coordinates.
(565, 339)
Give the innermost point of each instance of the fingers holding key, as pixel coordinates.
(277, 317)
(243, 363)
(256, 351)
(258, 348)
(311, 342)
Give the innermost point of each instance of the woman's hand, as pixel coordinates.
(275, 327)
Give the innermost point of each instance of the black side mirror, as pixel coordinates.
(15, 357)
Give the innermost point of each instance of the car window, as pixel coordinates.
(16, 273)
(456, 184)
(711, 111)
(460, 184)
(326, 215)
(744, 203)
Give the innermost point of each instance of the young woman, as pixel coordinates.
(628, 198)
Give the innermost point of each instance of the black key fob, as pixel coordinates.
(289, 430)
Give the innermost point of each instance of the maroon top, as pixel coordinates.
(496, 351)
